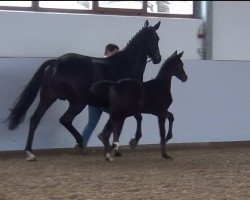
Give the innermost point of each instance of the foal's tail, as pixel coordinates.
(26, 98)
(101, 88)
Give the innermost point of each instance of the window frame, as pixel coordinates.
(96, 10)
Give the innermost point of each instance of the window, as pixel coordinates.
(16, 3)
(142, 8)
(78, 5)
(121, 4)
(170, 7)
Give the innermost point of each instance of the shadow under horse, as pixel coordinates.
(70, 77)
(128, 97)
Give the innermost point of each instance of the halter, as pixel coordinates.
(149, 60)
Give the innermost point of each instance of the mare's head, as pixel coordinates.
(173, 66)
(151, 41)
(146, 40)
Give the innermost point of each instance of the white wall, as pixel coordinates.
(213, 105)
(29, 34)
(231, 30)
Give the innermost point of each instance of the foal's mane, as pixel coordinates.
(167, 62)
(170, 59)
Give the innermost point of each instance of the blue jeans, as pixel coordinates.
(94, 116)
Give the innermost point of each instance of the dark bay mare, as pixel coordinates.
(128, 97)
(70, 76)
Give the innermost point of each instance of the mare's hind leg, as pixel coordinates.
(44, 103)
(134, 141)
(161, 121)
(67, 119)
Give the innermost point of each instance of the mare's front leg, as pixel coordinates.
(104, 137)
(67, 119)
(134, 141)
(161, 122)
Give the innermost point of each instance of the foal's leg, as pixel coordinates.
(117, 128)
(170, 117)
(44, 104)
(104, 137)
(67, 119)
(117, 151)
(161, 121)
(134, 141)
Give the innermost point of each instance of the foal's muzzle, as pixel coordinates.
(184, 78)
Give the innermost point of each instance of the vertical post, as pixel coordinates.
(35, 5)
(203, 10)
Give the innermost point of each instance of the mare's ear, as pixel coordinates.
(157, 25)
(180, 54)
(175, 53)
(146, 24)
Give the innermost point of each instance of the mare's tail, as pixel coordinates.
(26, 98)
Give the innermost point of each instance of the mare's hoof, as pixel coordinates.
(167, 157)
(31, 158)
(84, 151)
(81, 150)
(118, 154)
(77, 147)
(133, 143)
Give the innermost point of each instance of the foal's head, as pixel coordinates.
(173, 66)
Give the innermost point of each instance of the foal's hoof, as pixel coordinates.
(113, 146)
(109, 158)
(167, 157)
(118, 154)
(133, 143)
(30, 157)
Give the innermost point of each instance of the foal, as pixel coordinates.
(128, 97)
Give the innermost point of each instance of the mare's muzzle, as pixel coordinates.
(156, 59)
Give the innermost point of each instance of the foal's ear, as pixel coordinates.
(175, 53)
(146, 24)
(180, 54)
(157, 25)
